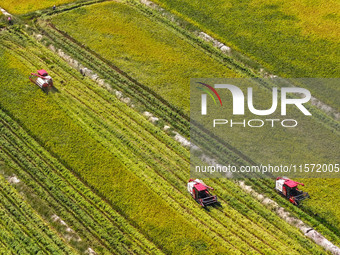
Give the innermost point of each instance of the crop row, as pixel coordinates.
(72, 205)
(29, 229)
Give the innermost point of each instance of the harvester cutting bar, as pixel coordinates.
(209, 200)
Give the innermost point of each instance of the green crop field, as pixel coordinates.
(149, 51)
(22, 229)
(116, 169)
(289, 38)
(156, 67)
(95, 174)
(125, 54)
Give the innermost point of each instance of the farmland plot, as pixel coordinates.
(126, 150)
(108, 43)
(110, 147)
(22, 230)
(290, 38)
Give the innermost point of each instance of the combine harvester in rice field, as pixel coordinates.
(288, 189)
(200, 192)
(42, 79)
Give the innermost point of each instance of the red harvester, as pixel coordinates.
(288, 188)
(42, 79)
(200, 192)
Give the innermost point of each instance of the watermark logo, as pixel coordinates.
(262, 127)
(204, 96)
(239, 99)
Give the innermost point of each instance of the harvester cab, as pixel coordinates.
(200, 192)
(288, 188)
(42, 79)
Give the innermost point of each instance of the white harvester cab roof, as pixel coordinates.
(191, 184)
(279, 184)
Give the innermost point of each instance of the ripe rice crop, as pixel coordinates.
(138, 170)
(25, 6)
(289, 38)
